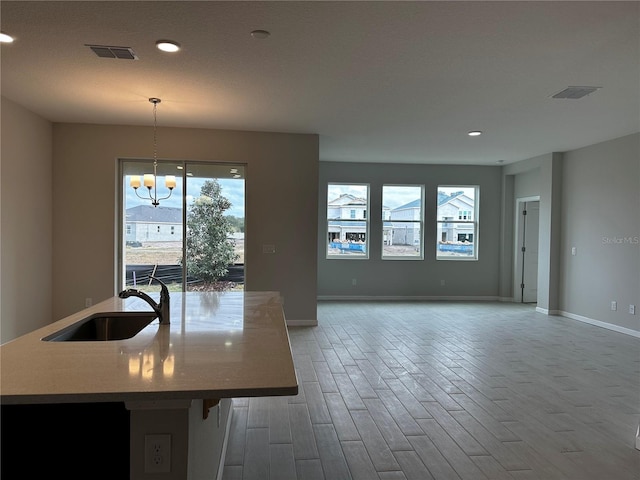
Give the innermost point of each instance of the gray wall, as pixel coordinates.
(591, 201)
(589, 198)
(405, 278)
(592, 195)
(527, 184)
(59, 208)
(540, 176)
(281, 205)
(26, 212)
(601, 218)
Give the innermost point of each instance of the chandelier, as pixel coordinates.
(150, 180)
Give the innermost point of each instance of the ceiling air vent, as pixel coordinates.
(575, 92)
(105, 51)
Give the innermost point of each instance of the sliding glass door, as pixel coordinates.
(194, 238)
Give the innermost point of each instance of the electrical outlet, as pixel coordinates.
(614, 306)
(157, 453)
(88, 302)
(632, 309)
(354, 282)
(442, 283)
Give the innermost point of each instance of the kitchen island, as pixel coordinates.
(176, 379)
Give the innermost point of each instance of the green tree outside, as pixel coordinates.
(237, 223)
(209, 250)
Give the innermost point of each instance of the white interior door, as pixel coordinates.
(530, 221)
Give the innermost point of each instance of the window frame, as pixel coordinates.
(127, 166)
(474, 222)
(421, 223)
(346, 221)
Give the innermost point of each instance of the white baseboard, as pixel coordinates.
(598, 323)
(302, 323)
(225, 442)
(402, 298)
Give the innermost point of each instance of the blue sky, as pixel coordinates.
(233, 189)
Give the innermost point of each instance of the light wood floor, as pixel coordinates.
(419, 391)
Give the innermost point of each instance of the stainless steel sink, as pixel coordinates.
(104, 327)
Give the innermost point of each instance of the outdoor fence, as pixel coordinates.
(141, 274)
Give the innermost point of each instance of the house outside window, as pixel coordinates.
(347, 224)
(457, 219)
(403, 222)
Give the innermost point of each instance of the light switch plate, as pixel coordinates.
(268, 249)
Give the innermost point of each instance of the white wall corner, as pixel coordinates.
(225, 442)
(547, 311)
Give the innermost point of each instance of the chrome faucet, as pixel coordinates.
(161, 309)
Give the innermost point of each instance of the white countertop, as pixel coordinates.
(218, 345)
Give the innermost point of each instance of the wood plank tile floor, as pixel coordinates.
(446, 391)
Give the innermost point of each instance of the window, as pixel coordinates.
(347, 224)
(402, 222)
(172, 241)
(457, 223)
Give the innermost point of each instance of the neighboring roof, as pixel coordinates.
(413, 204)
(151, 214)
(347, 199)
(444, 198)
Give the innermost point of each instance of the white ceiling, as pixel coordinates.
(378, 81)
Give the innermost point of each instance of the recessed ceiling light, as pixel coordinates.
(260, 34)
(4, 38)
(474, 133)
(168, 45)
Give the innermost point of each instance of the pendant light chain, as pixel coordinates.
(151, 181)
(155, 102)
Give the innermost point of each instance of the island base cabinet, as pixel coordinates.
(196, 444)
(66, 440)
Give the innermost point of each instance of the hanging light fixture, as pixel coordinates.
(151, 180)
